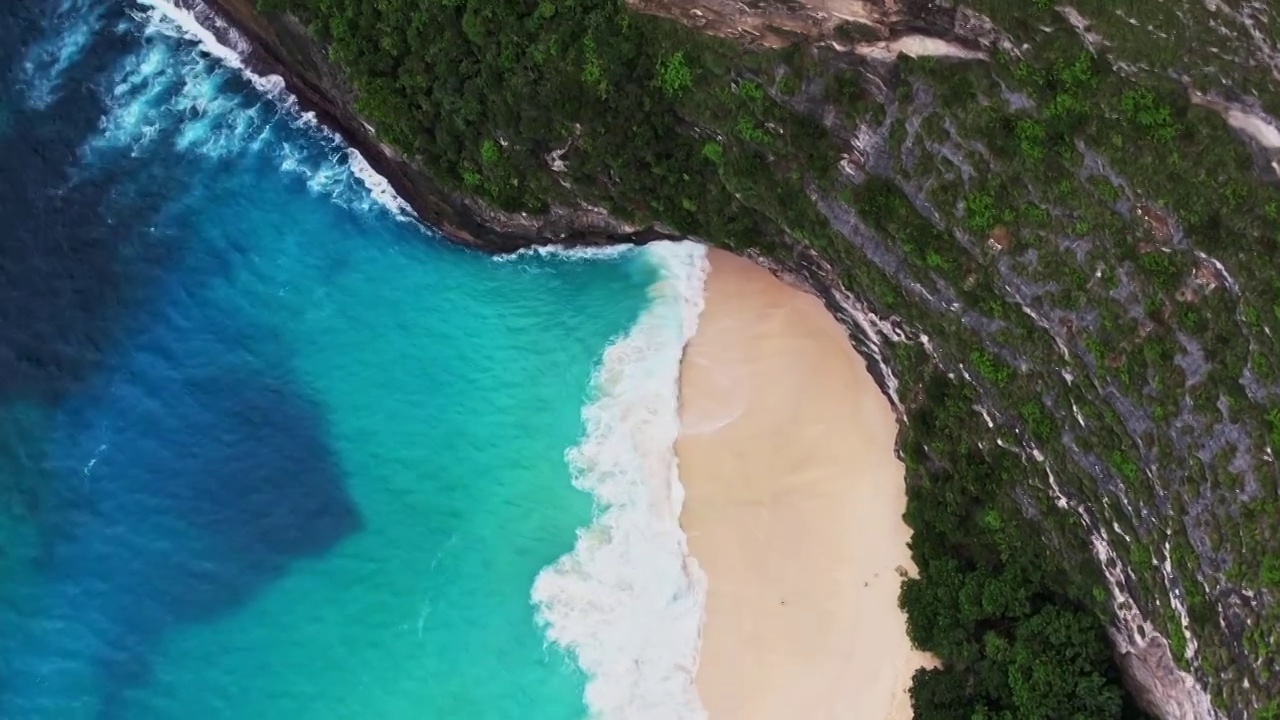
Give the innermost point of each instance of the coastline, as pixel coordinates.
(277, 45)
(498, 239)
(686, 605)
(627, 602)
(272, 44)
(793, 509)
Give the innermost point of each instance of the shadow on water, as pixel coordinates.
(166, 491)
(220, 483)
(62, 279)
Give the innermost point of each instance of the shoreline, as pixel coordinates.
(283, 48)
(318, 88)
(793, 509)
(497, 239)
(627, 602)
(500, 233)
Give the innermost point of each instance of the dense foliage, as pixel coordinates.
(643, 114)
(1137, 230)
(988, 604)
(1052, 221)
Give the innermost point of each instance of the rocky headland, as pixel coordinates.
(1050, 230)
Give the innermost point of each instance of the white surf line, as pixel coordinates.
(580, 252)
(175, 21)
(628, 602)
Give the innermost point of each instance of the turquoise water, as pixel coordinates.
(268, 449)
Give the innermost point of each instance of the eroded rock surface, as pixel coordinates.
(778, 23)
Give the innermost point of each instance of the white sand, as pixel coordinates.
(794, 510)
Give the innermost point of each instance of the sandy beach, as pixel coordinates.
(793, 507)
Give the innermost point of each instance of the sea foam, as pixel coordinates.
(627, 603)
(164, 87)
(48, 59)
(567, 252)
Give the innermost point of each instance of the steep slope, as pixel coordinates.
(1052, 234)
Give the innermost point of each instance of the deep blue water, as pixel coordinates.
(267, 448)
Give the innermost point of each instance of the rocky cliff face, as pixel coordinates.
(1069, 208)
(778, 24)
(281, 45)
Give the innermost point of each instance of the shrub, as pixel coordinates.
(713, 151)
(674, 75)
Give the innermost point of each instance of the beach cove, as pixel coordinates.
(295, 460)
(271, 448)
(793, 509)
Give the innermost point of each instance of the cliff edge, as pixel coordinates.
(1049, 233)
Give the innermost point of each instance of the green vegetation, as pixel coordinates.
(980, 212)
(1013, 641)
(1271, 571)
(713, 151)
(990, 368)
(1140, 175)
(1047, 247)
(674, 75)
(641, 104)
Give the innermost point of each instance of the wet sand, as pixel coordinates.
(793, 507)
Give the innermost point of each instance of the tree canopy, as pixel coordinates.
(1013, 642)
(656, 122)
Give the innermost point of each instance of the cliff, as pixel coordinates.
(1050, 229)
(282, 46)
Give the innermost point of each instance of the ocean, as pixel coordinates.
(271, 449)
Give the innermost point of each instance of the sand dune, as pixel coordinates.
(793, 508)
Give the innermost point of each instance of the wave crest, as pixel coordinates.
(190, 23)
(178, 87)
(628, 601)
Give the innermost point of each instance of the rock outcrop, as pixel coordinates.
(1152, 461)
(279, 44)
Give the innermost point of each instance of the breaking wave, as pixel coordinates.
(178, 88)
(628, 601)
